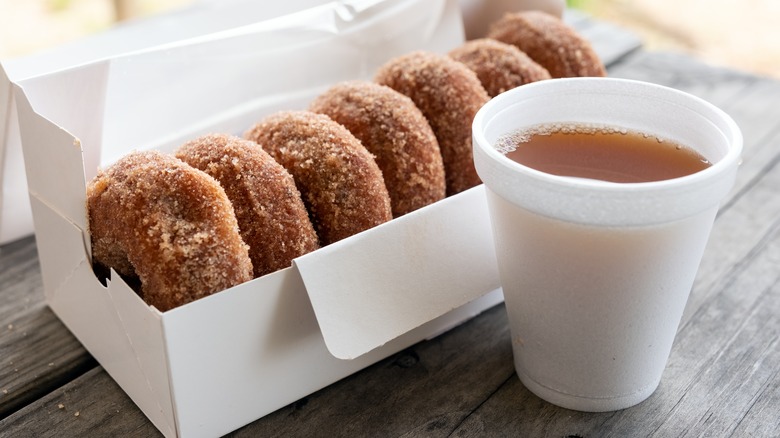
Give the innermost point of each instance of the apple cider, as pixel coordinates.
(601, 152)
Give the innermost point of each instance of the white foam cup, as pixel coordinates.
(595, 274)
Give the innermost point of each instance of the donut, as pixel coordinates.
(156, 219)
(499, 66)
(271, 216)
(394, 130)
(341, 185)
(550, 42)
(449, 95)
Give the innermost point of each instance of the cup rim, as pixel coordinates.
(733, 136)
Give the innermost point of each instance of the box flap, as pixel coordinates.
(200, 18)
(376, 286)
(7, 124)
(15, 213)
(51, 152)
(129, 341)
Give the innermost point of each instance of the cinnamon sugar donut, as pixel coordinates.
(270, 213)
(499, 66)
(155, 218)
(340, 183)
(392, 128)
(550, 42)
(449, 95)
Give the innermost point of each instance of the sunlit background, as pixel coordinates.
(743, 34)
(27, 26)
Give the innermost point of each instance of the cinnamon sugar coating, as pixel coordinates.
(271, 216)
(499, 66)
(341, 185)
(449, 96)
(392, 128)
(550, 42)
(155, 218)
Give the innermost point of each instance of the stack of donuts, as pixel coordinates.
(222, 209)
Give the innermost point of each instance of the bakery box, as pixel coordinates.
(200, 18)
(213, 365)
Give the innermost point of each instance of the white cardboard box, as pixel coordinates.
(218, 363)
(201, 18)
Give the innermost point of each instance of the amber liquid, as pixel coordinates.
(601, 152)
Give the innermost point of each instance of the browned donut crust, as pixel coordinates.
(550, 42)
(449, 96)
(499, 66)
(155, 217)
(392, 128)
(270, 213)
(341, 185)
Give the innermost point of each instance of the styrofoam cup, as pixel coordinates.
(596, 275)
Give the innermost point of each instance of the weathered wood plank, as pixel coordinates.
(716, 85)
(92, 405)
(747, 220)
(742, 372)
(758, 420)
(37, 352)
(20, 279)
(426, 390)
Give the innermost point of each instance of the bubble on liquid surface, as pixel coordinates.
(508, 142)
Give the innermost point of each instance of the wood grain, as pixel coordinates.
(37, 352)
(92, 405)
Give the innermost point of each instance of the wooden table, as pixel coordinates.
(722, 379)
